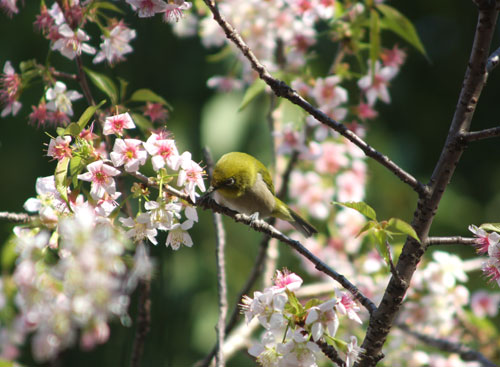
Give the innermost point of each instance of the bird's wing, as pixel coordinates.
(266, 176)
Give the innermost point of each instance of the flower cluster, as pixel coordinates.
(69, 284)
(488, 243)
(293, 329)
(172, 11)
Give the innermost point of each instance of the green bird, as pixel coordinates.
(242, 183)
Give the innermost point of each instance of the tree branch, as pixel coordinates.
(143, 322)
(281, 89)
(467, 354)
(455, 240)
(481, 134)
(221, 271)
(16, 217)
(381, 321)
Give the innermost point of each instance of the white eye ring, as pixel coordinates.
(230, 181)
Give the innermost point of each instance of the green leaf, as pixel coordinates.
(109, 6)
(257, 87)
(75, 167)
(147, 95)
(374, 38)
(60, 177)
(104, 83)
(495, 227)
(61, 131)
(399, 24)
(73, 129)
(123, 88)
(88, 114)
(7, 363)
(9, 254)
(369, 225)
(361, 207)
(221, 55)
(142, 122)
(402, 227)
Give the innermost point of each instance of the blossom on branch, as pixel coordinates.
(71, 43)
(101, 177)
(116, 124)
(10, 89)
(115, 45)
(60, 99)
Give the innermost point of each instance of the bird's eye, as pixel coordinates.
(230, 181)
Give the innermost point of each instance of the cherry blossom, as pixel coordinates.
(147, 8)
(101, 176)
(286, 280)
(141, 228)
(9, 7)
(156, 112)
(163, 152)
(163, 214)
(327, 92)
(116, 124)
(60, 99)
(224, 83)
(178, 235)
(59, 147)
(175, 10)
(128, 152)
(353, 352)
(375, 86)
(323, 318)
(484, 239)
(39, 115)
(10, 89)
(190, 176)
(485, 304)
(347, 306)
(71, 43)
(115, 45)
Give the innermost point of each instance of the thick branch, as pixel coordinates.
(455, 240)
(466, 353)
(381, 321)
(281, 89)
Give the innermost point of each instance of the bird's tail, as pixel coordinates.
(302, 225)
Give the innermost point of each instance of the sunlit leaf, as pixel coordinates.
(399, 24)
(104, 83)
(369, 225)
(147, 95)
(495, 227)
(142, 122)
(60, 177)
(88, 114)
(402, 227)
(361, 207)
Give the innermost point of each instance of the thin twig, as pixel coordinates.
(281, 89)
(220, 243)
(454, 240)
(16, 217)
(467, 354)
(493, 132)
(143, 322)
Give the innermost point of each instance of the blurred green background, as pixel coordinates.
(411, 130)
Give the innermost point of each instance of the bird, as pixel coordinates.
(242, 183)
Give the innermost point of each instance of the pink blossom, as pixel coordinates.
(178, 235)
(353, 352)
(163, 152)
(101, 177)
(365, 111)
(141, 228)
(190, 175)
(59, 147)
(175, 10)
(394, 57)
(485, 304)
(72, 43)
(44, 21)
(375, 86)
(10, 89)
(286, 280)
(147, 8)
(9, 7)
(347, 306)
(491, 269)
(327, 92)
(311, 194)
(116, 124)
(39, 115)
(58, 118)
(99, 334)
(484, 239)
(290, 140)
(332, 159)
(224, 83)
(350, 187)
(116, 44)
(156, 112)
(128, 152)
(322, 318)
